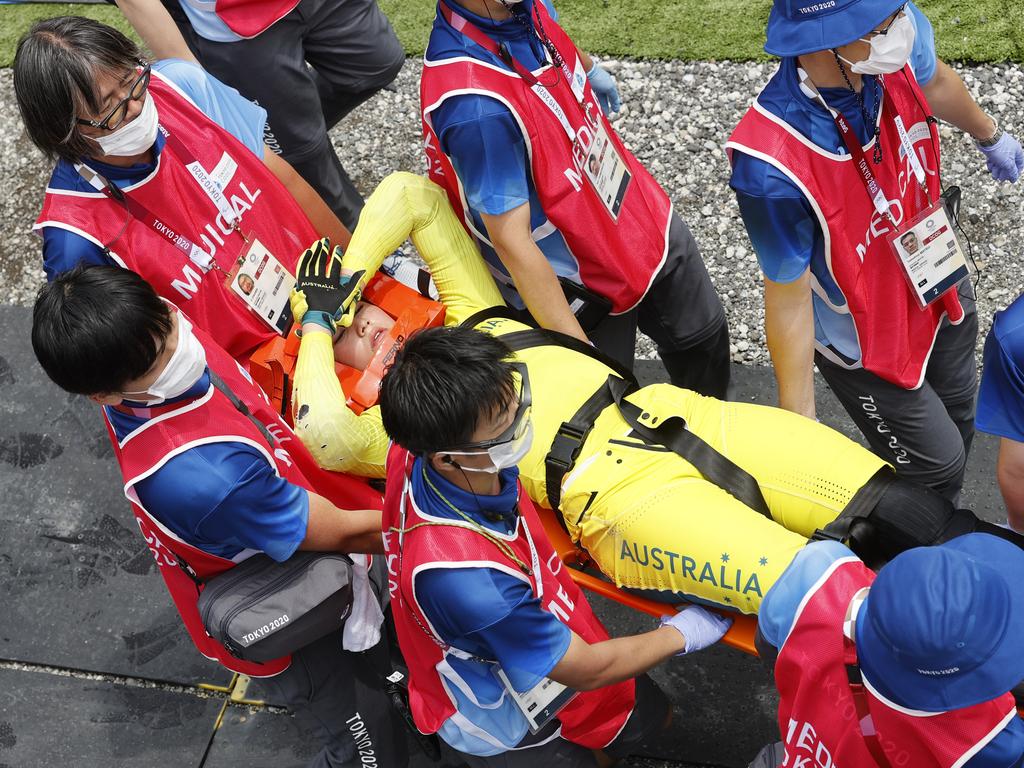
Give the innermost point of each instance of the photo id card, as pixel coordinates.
(541, 703)
(933, 259)
(264, 285)
(606, 171)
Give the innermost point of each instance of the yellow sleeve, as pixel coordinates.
(338, 439)
(405, 205)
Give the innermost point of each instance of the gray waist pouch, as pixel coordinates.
(261, 609)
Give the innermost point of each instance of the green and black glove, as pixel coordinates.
(322, 295)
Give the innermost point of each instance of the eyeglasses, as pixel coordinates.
(118, 114)
(519, 423)
(895, 17)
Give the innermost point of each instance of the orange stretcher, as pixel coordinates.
(739, 636)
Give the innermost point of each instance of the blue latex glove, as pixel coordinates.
(1005, 158)
(699, 626)
(603, 85)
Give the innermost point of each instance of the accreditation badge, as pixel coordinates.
(265, 286)
(606, 171)
(541, 703)
(931, 255)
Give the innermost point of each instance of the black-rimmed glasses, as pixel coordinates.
(885, 30)
(117, 115)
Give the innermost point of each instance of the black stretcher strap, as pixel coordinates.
(671, 433)
(860, 507)
(716, 468)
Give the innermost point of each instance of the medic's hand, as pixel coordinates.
(699, 626)
(1005, 158)
(603, 85)
(322, 295)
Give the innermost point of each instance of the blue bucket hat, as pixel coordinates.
(796, 27)
(942, 627)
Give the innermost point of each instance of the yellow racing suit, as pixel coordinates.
(648, 518)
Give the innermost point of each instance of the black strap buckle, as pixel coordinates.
(824, 534)
(566, 446)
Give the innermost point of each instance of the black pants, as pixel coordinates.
(351, 52)
(338, 697)
(925, 433)
(683, 315)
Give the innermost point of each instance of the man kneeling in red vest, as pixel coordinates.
(215, 475)
(909, 668)
(507, 662)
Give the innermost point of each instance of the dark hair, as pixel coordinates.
(96, 328)
(443, 381)
(55, 71)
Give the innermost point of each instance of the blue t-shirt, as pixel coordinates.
(221, 497)
(1001, 396)
(63, 249)
(778, 613)
(206, 23)
(487, 613)
(780, 221)
(485, 143)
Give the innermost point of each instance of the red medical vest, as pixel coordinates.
(593, 718)
(617, 259)
(248, 18)
(171, 192)
(175, 428)
(896, 336)
(817, 714)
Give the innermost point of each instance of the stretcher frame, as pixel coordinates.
(740, 635)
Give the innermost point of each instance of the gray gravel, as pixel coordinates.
(677, 116)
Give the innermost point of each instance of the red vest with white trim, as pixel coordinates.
(248, 18)
(266, 209)
(817, 713)
(175, 428)
(896, 336)
(617, 259)
(593, 718)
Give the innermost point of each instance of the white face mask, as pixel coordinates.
(502, 455)
(187, 363)
(889, 52)
(135, 137)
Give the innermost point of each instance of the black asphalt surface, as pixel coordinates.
(96, 671)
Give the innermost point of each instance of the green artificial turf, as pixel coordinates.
(966, 30)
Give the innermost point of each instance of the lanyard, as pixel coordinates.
(856, 681)
(860, 160)
(543, 92)
(195, 253)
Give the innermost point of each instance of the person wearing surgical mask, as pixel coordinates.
(825, 181)
(508, 664)
(214, 476)
(162, 169)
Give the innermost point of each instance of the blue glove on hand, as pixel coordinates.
(603, 85)
(699, 626)
(1005, 158)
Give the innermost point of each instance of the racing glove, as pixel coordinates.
(322, 295)
(699, 626)
(1004, 158)
(603, 85)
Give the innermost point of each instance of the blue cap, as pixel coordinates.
(796, 27)
(942, 627)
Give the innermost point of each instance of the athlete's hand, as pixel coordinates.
(698, 626)
(322, 295)
(1005, 158)
(603, 85)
